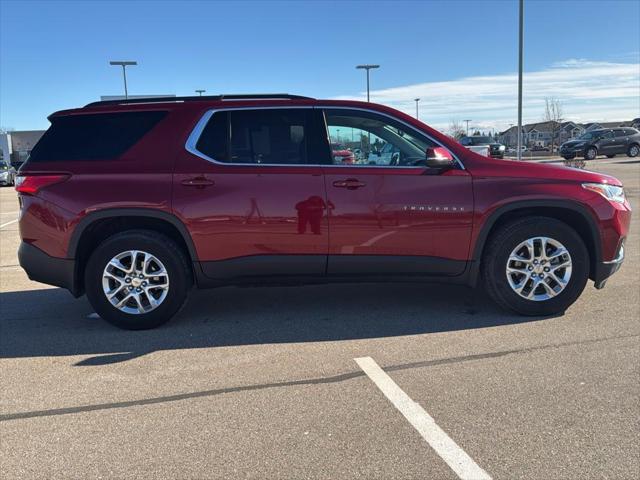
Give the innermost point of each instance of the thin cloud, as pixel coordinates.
(589, 91)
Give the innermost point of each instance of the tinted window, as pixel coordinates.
(620, 133)
(264, 136)
(214, 138)
(378, 140)
(93, 137)
(608, 134)
(630, 131)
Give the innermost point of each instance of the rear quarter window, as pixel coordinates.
(99, 136)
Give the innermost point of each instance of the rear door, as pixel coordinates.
(621, 140)
(247, 189)
(397, 217)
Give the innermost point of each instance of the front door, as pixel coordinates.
(607, 144)
(246, 188)
(390, 214)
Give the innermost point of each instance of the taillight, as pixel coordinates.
(32, 184)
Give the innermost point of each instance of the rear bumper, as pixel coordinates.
(40, 267)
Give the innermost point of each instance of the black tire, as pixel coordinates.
(591, 153)
(162, 247)
(633, 150)
(502, 243)
(610, 156)
(568, 157)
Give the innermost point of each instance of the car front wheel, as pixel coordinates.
(535, 266)
(137, 279)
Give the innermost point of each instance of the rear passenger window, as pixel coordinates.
(94, 136)
(265, 136)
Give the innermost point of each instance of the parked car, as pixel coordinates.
(7, 173)
(155, 196)
(514, 150)
(539, 148)
(609, 142)
(385, 155)
(342, 154)
(484, 146)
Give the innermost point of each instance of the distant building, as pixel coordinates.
(544, 133)
(17, 145)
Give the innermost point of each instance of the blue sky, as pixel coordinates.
(460, 57)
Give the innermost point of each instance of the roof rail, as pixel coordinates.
(242, 96)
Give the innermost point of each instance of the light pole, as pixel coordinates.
(124, 65)
(200, 92)
(417, 100)
(367, 67)
(467, 126)
(520, 41)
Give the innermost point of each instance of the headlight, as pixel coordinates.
(610, 192)
(501, 147)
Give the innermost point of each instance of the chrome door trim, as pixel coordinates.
(194, 136)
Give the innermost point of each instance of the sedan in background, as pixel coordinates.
(7, 174)
(486, 146)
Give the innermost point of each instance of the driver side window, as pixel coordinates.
(366, 139)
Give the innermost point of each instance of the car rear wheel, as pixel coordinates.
(633, 151)
(535, 266)
(591, 153)
(137, 279)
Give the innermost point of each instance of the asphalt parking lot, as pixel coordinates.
(263, 382)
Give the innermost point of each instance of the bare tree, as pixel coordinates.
(553, 115)
(456, 130)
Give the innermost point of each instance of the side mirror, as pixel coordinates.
(439, 157)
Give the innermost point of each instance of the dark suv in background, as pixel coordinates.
(134, 202)
(608, 141)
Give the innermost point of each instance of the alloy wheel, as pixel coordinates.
(135, 282)
(539, 268)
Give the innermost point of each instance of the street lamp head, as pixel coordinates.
(368, 66)
(122, 62)
(417, 99)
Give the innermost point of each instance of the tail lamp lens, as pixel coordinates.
(32, 184)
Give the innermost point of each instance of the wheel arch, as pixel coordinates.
(572, 213)
(97, 226)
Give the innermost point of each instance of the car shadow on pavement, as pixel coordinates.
(51, 323)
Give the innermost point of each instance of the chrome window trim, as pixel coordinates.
(194, 136)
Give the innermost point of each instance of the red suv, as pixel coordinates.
(134, 202)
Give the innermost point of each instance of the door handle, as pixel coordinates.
(199, 182)
(349, 184)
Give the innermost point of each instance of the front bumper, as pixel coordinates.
(40, 267)
(605, 269)
(577, 151)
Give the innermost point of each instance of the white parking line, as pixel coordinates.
(8, 223)
(457, 459)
